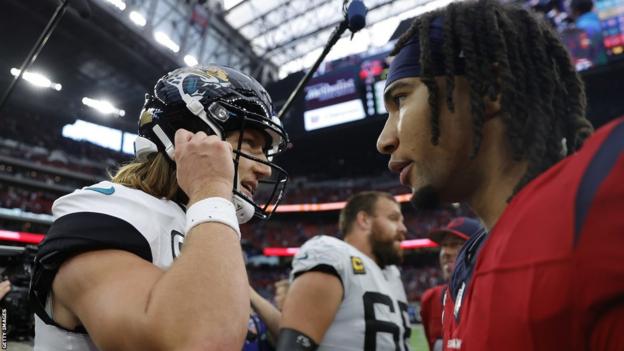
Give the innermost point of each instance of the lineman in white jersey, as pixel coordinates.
(105, 277)
(348, 295)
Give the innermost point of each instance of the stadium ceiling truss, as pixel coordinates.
(258, 36)
(281, 31)
(197, 28)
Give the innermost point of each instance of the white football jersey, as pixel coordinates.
(373, 313)
(109, 215)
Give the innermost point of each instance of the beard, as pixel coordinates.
(383, 249)
(426, 199)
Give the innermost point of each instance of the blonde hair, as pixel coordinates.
(155, 176)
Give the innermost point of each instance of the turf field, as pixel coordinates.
(418, 341)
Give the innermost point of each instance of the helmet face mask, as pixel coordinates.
(219, 101)
(268, 190)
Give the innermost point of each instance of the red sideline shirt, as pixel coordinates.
(431, 313)
(550, 276)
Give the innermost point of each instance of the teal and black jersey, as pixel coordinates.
(98, 217)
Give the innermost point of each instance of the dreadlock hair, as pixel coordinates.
(511, 54)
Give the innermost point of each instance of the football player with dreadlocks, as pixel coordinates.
(485, 108)
(110, 274)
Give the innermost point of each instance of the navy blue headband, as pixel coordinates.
(407, 62)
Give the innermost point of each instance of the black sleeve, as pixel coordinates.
(324, 268)
(294, 340)
(77, 233)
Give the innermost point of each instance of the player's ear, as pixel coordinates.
(492, 101)
(492, 107)
(363, 220)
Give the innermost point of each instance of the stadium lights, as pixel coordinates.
(291, 251)
(120, 4)
(103, 106)
(164, 40)
(35, 238)
(137, 18)
(37, 79)
(327, 206)
(190, 60)
(21, 237)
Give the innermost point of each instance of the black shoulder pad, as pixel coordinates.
(71, 235)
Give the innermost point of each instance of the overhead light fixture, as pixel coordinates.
(164, 40)
(37, 79)
(120, 4)
(137, 18)
(103, 106)
(190, 60)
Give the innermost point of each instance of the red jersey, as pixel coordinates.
(550, 275)
(431, 313)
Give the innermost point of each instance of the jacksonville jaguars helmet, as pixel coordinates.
(217, 100)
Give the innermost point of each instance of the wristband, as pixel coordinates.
(212, 209)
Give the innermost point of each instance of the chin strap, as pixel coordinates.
(244, 210)
(164, 139)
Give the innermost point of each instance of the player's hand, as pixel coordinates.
(204, 166)
(5, 287)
